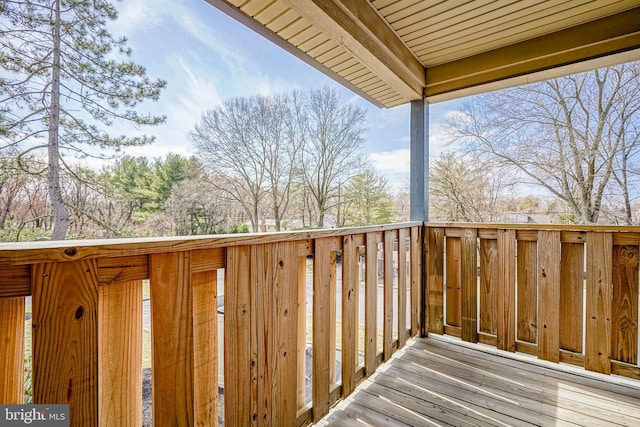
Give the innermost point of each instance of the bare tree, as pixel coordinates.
(332, 131)
(250, 148)
(465, 189)
(59, 72)
(575, 136)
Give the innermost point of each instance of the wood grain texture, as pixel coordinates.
(402, 287)
(301, 331)
(207, 259)
(453, 280)
(572, 296)
(205, 347)
(418, 287)
(12, 350)
(65, 338)
(239, 367)
(624, 321)
(506, 298)
(370, 303)
(435, 280)
(15, 281)
(171, 291)
(276, 269)
(469, 285)
(599, 289)
(387, 331)
(527, 286)
(123, 269)
(350, 287)
(321, 328)
(549, 294)
(120, 357)
(489, 286)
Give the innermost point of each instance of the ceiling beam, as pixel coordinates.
(358, 27)
(607, 36)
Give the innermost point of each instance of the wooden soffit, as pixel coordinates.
(395, 51)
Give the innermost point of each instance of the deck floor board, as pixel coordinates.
(440, 381)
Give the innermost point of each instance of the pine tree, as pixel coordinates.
(62, 85)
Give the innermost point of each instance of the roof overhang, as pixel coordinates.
(395, 51)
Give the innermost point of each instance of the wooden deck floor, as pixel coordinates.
(437, 381)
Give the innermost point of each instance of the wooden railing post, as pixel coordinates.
(65, 338)
(370, 303)
(321, 325)
(387, 308)
(435, 280)
(350, 289)
(418, 283)
(506, 299)
(599, 299)
(402, 286)
(469, 285)
(549, 256)
(12, 350)
(120, 357)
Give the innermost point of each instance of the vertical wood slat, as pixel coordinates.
(453, 281)
(506, 303)
(205, 347)
(549, 295)
(321, 326)
(239, 367)
(469, 285)
(489, 286)
(302, 332)
(12, 350)
(598, 305)
(282, 361)
(332, 318)
(624, 321)
(527, 297)
(120, 354)
(572, 296)
(370, 303)
(415, 253)
(387, 331)
(435, 280)
(172, 351)
(402, 287)
(65, 338)
(350, 325)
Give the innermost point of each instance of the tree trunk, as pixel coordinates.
(60, 214)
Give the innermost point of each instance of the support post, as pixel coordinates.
(419, 186)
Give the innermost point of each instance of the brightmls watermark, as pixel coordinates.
(34, 415)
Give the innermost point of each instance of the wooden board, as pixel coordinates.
(321, 328)
(527, 265)
(12, 350)
(15, 281)
(65, 338)
(370, 303)
(469, 285)
(549, 294)
(418, 287)
(489, 286)
(435, 280)
(120, 354)
(572, 296)
(506, 299)
(387, 331)
(599, 290)
(624, 320)
(171, 291)
(453, 281)
(205, 346)
(240, 364)
(402, 287)
(350, 285)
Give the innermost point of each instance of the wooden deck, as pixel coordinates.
(440, 381)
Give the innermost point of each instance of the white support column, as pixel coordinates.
(419, 172)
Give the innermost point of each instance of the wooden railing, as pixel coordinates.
(561, 293)
(87, 299)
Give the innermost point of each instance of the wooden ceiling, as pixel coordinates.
(394, 51)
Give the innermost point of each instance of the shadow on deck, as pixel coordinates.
(441, 381)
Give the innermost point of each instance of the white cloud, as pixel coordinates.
(394, 165)
(136, 15)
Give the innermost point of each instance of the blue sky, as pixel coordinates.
(207, 57)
